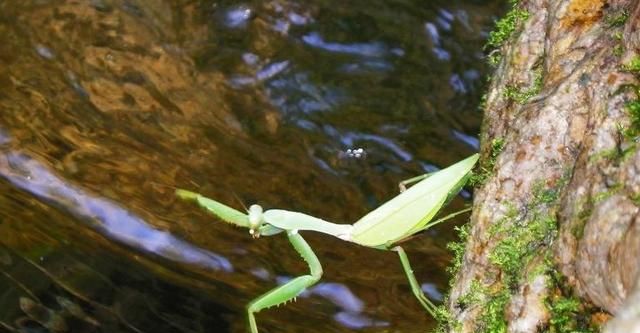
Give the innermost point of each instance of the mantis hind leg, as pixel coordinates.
(415, 286)
(291, 289)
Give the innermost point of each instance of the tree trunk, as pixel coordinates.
(554, 242)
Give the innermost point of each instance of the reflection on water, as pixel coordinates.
(72, 293)
(237, 17)
(350, 307)
(316, 106)
(106, 216)
(374, 49)
(431, 291)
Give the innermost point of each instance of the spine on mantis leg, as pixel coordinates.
(291, 289)
(306, 253)
(224, 212)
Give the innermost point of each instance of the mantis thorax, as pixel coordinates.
(256, 220)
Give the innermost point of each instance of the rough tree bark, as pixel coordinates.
(554, 242)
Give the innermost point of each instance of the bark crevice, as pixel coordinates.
(566, 183)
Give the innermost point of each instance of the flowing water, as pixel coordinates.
(315, 106)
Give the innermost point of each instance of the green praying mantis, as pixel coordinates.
(406, 214)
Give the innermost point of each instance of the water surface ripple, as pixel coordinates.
(314, 106)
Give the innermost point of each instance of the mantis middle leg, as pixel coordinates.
(403, 184)
(445, 218)
(415, 286)
(291, 289)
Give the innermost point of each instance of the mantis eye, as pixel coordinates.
(255, 220)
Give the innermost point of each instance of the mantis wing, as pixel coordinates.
(224, 212)
(411, 210)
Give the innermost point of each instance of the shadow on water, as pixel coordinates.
(317, 106)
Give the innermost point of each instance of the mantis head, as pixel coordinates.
(255, 220)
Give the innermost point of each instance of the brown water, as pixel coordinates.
(105, 105)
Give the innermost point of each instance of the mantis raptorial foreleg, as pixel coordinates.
(415, 286)
(291, 289)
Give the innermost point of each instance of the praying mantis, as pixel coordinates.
(406, 214)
